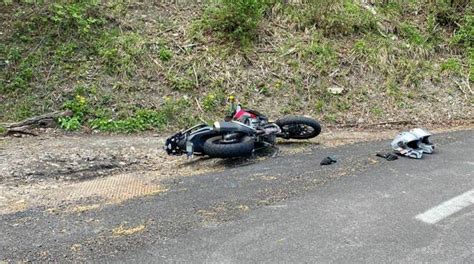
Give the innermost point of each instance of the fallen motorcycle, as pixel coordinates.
(243, 133)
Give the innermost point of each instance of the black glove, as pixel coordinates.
(388, 156)
(328, 161)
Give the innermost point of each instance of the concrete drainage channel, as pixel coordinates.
(79, 196)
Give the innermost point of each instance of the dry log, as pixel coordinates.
(41, 121)
(17, 131)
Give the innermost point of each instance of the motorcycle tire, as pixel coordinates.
(213, 147)
(295, 127)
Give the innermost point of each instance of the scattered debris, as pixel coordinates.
(336, 90)
(82, 208)
(388, 156)
(76, 247)
(123, 231)
(328, 161)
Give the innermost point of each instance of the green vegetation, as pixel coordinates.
(101, 119)
(69, 123)
(165, 54)
(237, 20)
(120, 52)
(341, 17)
(465, 34)
(322, 54)
(412, 34)
(451, 65)
(210, 102)
(126, 66)
(471, 64)
(181, 83)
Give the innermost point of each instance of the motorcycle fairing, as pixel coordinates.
(234, 127)
(189, 141)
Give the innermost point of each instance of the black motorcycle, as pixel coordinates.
(244, 132)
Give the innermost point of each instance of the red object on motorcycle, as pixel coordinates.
(241, 113)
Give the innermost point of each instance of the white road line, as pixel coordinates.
(447, 208)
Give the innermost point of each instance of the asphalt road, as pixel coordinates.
(280, 210)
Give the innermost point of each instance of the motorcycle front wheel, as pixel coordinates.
(220, 148)
(298, 127)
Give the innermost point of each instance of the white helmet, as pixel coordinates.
(423, 136)
(407, 144)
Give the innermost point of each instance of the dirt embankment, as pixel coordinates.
(156, 64)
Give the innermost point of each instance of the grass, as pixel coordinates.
(322, 54)
(165, 54)
(236, 20)
(412, 34)
(212, 101)
(120, 52)
(141, 120)
(451, 65)
(471, 64)
(140, 68)
(334, 18)
(84, 46)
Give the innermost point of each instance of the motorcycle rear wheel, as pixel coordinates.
(299, 127)
(219, 148)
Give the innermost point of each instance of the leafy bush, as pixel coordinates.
(465, 34)
(78, 16)
(61, 20)
(142, 119)
(69, 123)
(211, 101)
(237, 20)
(78, 106)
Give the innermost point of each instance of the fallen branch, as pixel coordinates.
(45, 120)
(462, 90)
(198, 105)
(19, 131)
(42, 121)
(400, 122)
